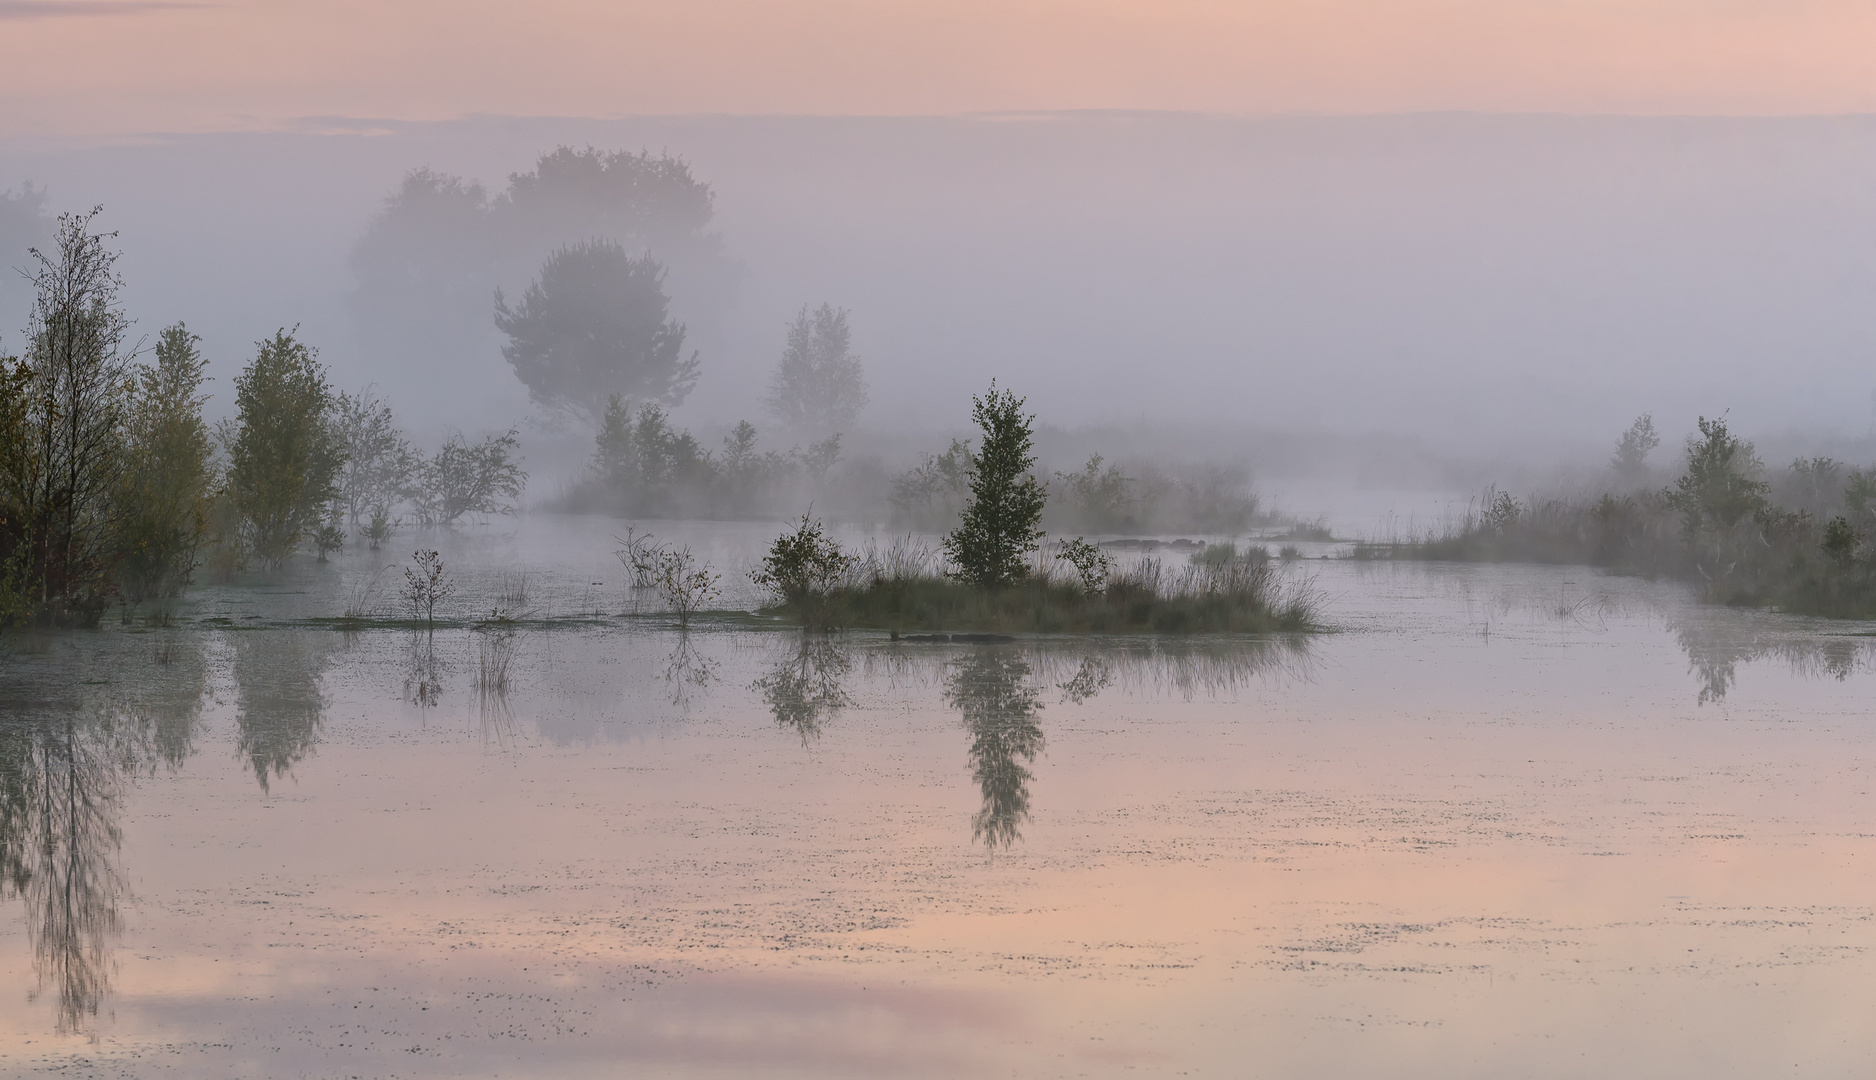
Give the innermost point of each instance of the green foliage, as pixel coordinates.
(819, 387)
(64, 460)
(1001, 526)
(1721, 484)
(595, 325)
(902, 589)
(283, 455)
(169, 480)
(1091, 564)
(803, 568)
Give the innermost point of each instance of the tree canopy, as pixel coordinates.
(595, 324)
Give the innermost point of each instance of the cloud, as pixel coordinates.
(54, 9)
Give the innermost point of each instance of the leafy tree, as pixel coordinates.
(818, 387)
(170, 475)
(380, 465)
(461, 480)
(1632, 450)
(1001, 525)
(440, 245)
(594, 324)
(283, 454)
(63, 469)
(1721, 485)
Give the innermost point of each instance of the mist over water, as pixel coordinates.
(1318, 683)
(1463, 287)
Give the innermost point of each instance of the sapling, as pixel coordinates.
(426, 585)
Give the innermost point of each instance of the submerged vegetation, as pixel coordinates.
(1803, 540)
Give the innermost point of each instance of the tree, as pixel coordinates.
(594, 324)
(62, 470)
(1631, 452)
(1001, 525)
(440, 245)
(818, 387)
(168, 481)
(380, 464)
(283, 455)
(463, 480)
(1721, 484)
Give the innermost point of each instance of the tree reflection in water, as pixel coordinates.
(992, 687)
(279, 706)
(806, 687)
(61, 780)
(1717, 642)
(687, 669)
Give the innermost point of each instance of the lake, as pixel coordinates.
(1505, 820)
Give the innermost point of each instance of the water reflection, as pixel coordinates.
(423, 672)
(687, 669)
(806, 688)
(993, 687)
(170, 694)
(61, 781)
(279, 704)
(1716, 643)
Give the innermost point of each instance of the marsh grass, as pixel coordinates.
(905, 587)
(1772, 557)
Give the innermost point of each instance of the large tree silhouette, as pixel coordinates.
(595, 324)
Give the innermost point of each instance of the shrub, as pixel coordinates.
(682, 583)
(1091, 564)
(802, 568)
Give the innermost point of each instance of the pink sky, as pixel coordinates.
(110, 66)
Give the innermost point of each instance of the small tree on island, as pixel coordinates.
(1001, 526)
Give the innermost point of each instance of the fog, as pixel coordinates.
(1401, 299)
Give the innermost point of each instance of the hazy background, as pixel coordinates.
(1480, 285)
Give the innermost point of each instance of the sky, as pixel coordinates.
(116, 67)
(1498, 227)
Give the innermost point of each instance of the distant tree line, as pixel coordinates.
(113, 488)
(1802, 538)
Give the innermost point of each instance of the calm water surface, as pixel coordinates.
(1509, 821)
